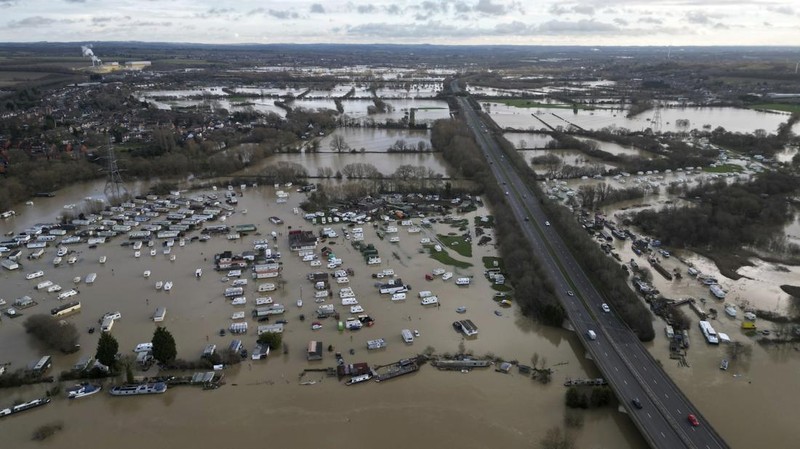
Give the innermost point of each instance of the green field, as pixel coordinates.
(777, 107)
(443, 257)
(724, 168)
(456, 243)
(488, 262)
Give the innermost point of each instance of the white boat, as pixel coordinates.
(394, 239)
(159, 284)
(153, 252)
(146, 274)
(72, 259)
(76, 279)
(137, 245)
(54, 288)
(198, 273)
(730, 310)
(399, 297)
(168, 286)
(102, 259)
(90, 278)
(299, 303)
(57, 260)
(137, 253)
(172, 258)
(167, 250)
(62, 251)
(83, 390)
(150, 243)
(447, 276)
(34, 275)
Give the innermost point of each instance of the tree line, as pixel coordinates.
(534, 291)
(725, 216)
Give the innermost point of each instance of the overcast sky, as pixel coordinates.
(587, 22)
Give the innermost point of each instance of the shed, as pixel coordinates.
(314, 350)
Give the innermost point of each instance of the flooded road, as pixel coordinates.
(478, 409)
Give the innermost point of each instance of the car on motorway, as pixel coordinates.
(636, 403)
(569, 292)
(693, 420)
(547, 223)
(605, 308)
(506, 193)
(527, 219)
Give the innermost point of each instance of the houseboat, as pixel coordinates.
(139, 389)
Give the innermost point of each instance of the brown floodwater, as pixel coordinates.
(263, 401)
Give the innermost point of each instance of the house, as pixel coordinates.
(314, 350)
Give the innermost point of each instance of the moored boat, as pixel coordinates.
(146, 274)
(159, 284)
(138, 389)
(83, 390)
(168, 286)
(102, 259)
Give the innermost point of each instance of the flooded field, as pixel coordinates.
(385, 163)
(430, 407)
(372, 139)
(528, 140)
(732, 119)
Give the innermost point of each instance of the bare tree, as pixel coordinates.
(338, 144)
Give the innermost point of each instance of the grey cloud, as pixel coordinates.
(37, 21)
(219, 11)
(580, 26)
(393, 10)
(283, 15)
(489, 8)
(781, 10)
(461, 7)
(105, 19)
(316, 8)
(393, 30)
(559, 10)
(620, 21)
(698, 17)
(515, 28)
(653, 20)
(75, 1)
(7, 3)
(365, 9)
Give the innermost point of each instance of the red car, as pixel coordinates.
(693, 420)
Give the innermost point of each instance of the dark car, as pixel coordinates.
(636, 403)
(281, 322)
(693, 420)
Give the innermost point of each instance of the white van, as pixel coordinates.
(592, 335)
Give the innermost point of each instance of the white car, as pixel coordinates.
(547, 223)
(605, 308)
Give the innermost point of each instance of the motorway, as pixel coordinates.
(625, 363)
